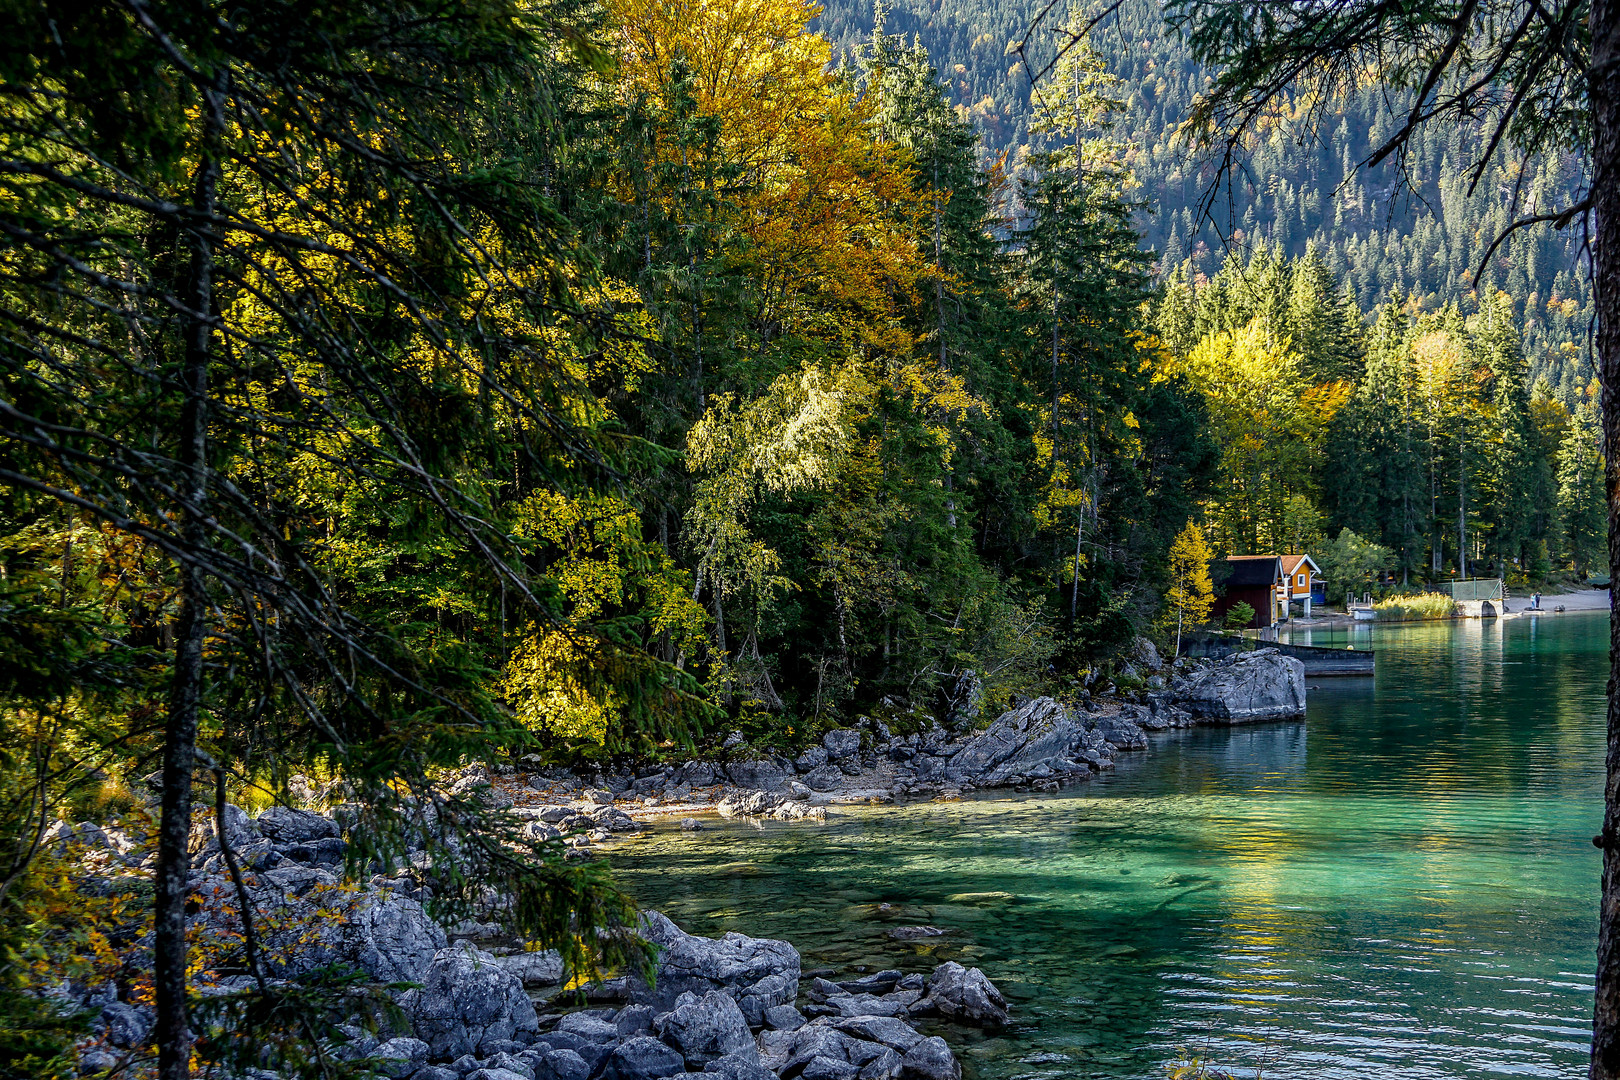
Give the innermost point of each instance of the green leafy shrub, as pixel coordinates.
(1238, 616)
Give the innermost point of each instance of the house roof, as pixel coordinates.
(1291, 563)
(1251, 570)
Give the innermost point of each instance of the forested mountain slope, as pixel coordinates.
(1299, 188)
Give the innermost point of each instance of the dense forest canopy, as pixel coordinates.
(1402, 230)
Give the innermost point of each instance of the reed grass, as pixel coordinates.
(1414, 608)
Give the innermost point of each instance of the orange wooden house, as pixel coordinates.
(1301, 576)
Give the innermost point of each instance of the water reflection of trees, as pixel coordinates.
(1466, 707)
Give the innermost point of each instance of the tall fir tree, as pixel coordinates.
(1582, 503)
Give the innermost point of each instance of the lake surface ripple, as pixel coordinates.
(1403, 886)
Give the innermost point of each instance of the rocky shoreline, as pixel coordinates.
(1041, 745)
(486, 1006)
(481, 1005)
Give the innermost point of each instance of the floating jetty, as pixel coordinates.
(1318, 661)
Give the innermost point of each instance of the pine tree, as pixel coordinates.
(1549, 423)
(1510, 469)
(1390, 463)
(1582, 503)
(1323, 326)
(1177, 314)
(1086, 279)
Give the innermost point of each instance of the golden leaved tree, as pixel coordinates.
(1271, 424)
(1191, 594)
(823, 214)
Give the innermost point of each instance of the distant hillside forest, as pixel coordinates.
(1297, 189)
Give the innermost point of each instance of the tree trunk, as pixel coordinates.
(1181, 609)
(1462, 514)
(939, 278)
(1057, 394)
(1604, 88)
(1436, 541)
(1074, 588)
(185, 693)
(719, 622)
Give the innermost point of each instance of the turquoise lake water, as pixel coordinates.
(1402, 886)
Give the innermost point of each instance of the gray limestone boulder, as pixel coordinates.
(783, 1018)
(1259, 685)
(762, 774)
(967, 996)
(633, 1020)
(465, 999)
(1120, 732)
(878, 982)
(1038, 737)
(822, 1050)
(737, 1067)
(825, 778)
(775, 1047)
(511, 1063)
(886, 1066)
(535, 968)
(435, 1072)
(124, 1026)
(806, 1045)
(812, 759)
(693, 774)
(588, 1027)
(867, 1005)
(613, 819)
(94, 1062)
(240, 829)
(641, 1058)
(560, 1065)
(887, 1030)
(708, 1029)
(930, 1059)
(590, 1052)
(766, 994)
(842, 743)
(284, 825)
(758, 973)
(297, 879)
(1144, 654)
(389, 938)
(401, 1057)
(826, 1068)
